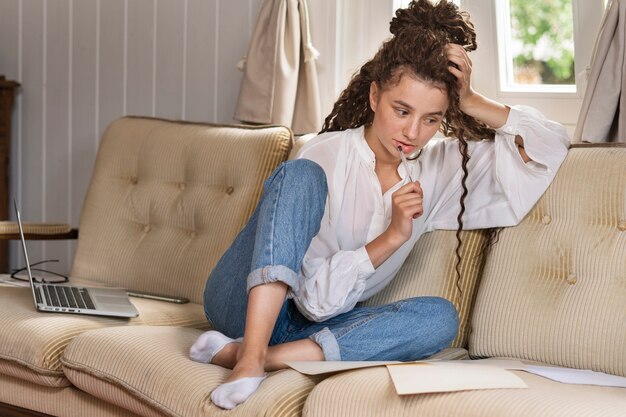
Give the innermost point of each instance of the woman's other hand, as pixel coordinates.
(406, 205)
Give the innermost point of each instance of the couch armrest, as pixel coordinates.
(37, 231)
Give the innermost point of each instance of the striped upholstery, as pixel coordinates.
(167, 198)
(554, 287)
(157, 376)
(430, 270)
(370, 393)
(554, 291)
(66, 402)
(32, 343)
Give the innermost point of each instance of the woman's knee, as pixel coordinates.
(301, 175)
(305, 168)
(441, 316)
(449, 319)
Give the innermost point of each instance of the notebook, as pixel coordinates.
(64, 298)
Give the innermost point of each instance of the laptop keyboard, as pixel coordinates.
(64, 296)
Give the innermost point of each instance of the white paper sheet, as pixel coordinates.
(458, 375)
(447, 376)
(577, 376)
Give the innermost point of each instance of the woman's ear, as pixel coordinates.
(373, 95)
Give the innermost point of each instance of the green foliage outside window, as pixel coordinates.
(543, 33)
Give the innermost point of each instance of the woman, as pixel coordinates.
(334, 226)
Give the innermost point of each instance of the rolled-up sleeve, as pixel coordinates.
(545, 142)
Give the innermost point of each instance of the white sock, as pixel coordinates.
(208, 345)
(231, 394)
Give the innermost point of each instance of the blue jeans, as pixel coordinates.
(271, 247)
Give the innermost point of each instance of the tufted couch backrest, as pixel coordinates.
(554, 287)
(167, 198)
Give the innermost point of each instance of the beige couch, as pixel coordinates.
(167, 198)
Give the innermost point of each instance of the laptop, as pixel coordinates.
(61, 298)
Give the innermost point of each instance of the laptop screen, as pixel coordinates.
(30, 275)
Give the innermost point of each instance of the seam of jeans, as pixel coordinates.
(394, 309)
(269, 247)
(276, 199)
(359, 323)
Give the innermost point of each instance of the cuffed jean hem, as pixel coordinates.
(327, 341)
(273, 273)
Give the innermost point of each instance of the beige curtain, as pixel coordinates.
(603, 114)
(280, 83)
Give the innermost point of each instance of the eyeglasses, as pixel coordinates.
(55, 279)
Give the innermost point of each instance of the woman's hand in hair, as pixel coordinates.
(461, 68)
(490, 112)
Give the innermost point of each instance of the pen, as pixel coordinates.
(406, 166)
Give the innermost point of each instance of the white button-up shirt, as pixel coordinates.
(336, 270)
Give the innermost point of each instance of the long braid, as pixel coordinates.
(464, 160)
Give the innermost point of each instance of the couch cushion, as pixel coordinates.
(167, 199)
(370, 392)
(430, 270)
(32, 342)
(66, 402)
(554, 287)
(150, 367)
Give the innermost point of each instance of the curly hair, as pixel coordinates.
(417, 49)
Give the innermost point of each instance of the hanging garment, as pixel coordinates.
(603, 113)
(280, 84)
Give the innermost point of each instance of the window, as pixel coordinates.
(536, 45)
(535, 52)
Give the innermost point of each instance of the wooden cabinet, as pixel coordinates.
(7, 95)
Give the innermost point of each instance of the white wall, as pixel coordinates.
(84, 63)
(363, 26)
